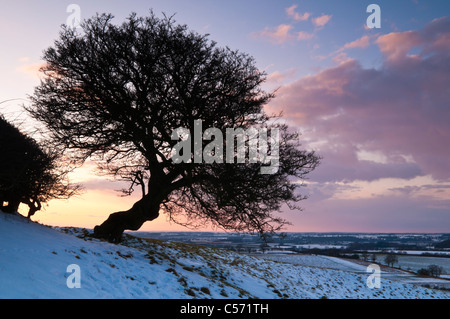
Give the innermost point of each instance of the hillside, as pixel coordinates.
(34, 260)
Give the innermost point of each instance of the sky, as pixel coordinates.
(374, 103)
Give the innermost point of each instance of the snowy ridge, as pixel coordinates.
(34, 260)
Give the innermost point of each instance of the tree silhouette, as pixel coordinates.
(117, 93)
(391, 259)
(28, 173)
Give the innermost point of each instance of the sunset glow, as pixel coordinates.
(374, 103)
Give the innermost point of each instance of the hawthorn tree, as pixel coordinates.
(29, 173)
(117, 93)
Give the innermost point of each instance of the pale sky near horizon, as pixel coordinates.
(374, 103)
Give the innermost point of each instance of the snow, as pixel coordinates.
(34, 260)
(317, 261)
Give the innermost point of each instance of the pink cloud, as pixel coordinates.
(295, 15)
(342, 57)
(362, 42)
(322, 20)
(434, 37)
(282, 34)
(397, 44)
(279, 34)
(304, 35)
(400, 110)
(278, 77)
(32, 70)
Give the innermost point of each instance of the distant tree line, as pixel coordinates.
(443, 244)
(380, 245)
(431, 270)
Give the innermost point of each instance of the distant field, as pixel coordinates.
(414, 263)
(357, 266)
(315, 261)
(406, 262)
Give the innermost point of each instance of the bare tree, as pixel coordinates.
(391, 259)
(116, 93)
(435, 270)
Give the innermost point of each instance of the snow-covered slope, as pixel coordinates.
(34, 262)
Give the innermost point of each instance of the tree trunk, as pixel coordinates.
(34, 206)
(145, 209)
